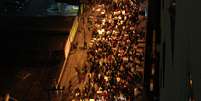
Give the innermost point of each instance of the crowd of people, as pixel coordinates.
(115, 65)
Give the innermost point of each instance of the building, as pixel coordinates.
(180, 56)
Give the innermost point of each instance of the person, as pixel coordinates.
(78, 74)
(75, 45)
(85, 45)
(110, 55)
(70, 86)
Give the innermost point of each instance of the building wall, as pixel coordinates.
(187, 56)
(193, 22)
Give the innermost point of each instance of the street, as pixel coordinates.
(77, 74)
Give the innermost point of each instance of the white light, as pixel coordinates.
(116, 26)
(103, 30)
(103, 20)
(123, 12)
(99, 75)
(99, 32)
(122, 21)
(125, 17)
(119, 17)
(113, 31)
(91, 100)
(103, 12)
(75, 7)
(118, 79)
(191, 82)
(151, 85)
(108, 32)
(152, 71)
(98, 10)
(99, 92)
(106, 78)
(117, 12)
(135, 92)
(124, 27)
(110, 21)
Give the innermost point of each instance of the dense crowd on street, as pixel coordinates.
(115, 67)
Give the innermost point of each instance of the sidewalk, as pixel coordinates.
(77, 59)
